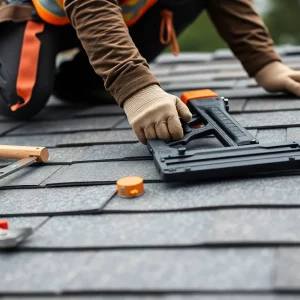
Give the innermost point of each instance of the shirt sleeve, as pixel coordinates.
(244, 31)
(112, 53)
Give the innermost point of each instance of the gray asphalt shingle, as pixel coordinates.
(208, 68)
(54, 200)
(272, 105)
(272, 135)
(103, 172)
(287, 270)
(117, 152)
(101, 110)
(231, 74)
(237, 105)
(17, 222)
(181, 86)
(177, 270)
(240, 226)
(293, 134)
(51, 113)
(124, 124)
(168, 58)
(49, 272)
(29, 176)
(49, 140)
(8, 126)
(187, 78)
(99, 137)
(229, 239)
(72, 125)
(280, 191)
(66, 154)
(269, 119)
(221, 54)
(5, 162)
(256, 92)
(243, 83)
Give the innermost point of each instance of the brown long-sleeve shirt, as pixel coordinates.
(113, 55)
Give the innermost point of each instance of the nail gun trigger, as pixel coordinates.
(185, 126)
(195, 133)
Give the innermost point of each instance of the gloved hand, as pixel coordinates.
(277, 77)
(154, 114)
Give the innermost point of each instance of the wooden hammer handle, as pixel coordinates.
(19, 152)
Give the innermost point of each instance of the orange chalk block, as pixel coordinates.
(131, 186)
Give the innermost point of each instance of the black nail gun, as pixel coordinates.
(241, 156)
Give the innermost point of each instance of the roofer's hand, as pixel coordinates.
(277, 77)
(154, 114)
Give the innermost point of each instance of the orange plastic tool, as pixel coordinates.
(129, 187)
(185, 97)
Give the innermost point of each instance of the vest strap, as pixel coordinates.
(28, 65)
(167, 27)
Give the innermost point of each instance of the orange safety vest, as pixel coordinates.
(133, 10)
(52, 11)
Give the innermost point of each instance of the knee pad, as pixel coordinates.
(8, 97)
(23, 94)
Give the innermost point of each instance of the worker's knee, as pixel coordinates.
(9, 97)
(14, 73)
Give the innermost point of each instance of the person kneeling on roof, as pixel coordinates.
(117, 40)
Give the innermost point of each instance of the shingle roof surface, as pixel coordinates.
(229, 239)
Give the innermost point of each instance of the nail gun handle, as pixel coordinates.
(228, 124)
(209, 108)
(19, 152)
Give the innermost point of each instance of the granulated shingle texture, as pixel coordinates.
(170, 229)
(32, 176)
(68, 125)
(281, 191)
(98, 137)
(103, 172)
(5, 127)
(190, 270)
(219, 239)
(56, 200)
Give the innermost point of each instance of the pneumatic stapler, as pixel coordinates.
(241, 155)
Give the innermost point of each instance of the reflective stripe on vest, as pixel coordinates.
(51, 11)
(133, 10)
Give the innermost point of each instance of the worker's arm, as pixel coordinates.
(244, 31)
(104, 36)
(249, 39)
(151, 112)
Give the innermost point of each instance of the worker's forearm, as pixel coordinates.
(100, 27)
(244, 31)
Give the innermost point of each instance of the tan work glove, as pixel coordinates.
(154, 114)
(277, 77)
